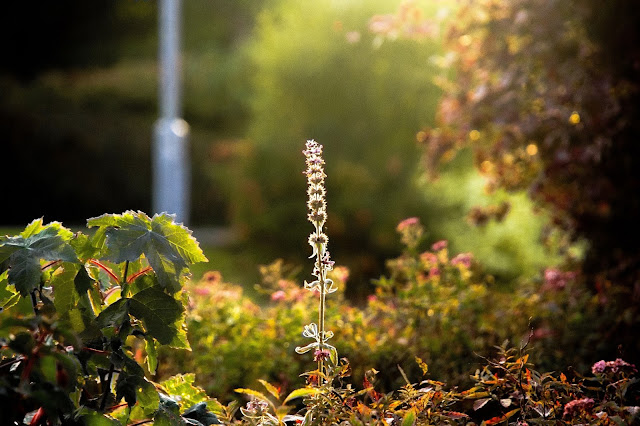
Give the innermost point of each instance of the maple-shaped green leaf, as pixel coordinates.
(64, 290)
(162, 316)
(168, 246)
(25, 251)
(181, 386)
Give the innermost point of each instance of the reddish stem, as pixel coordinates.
(136, 275)
(95, 351)
(104, 268)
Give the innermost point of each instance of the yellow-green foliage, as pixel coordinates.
(433, 305)
(318, 72)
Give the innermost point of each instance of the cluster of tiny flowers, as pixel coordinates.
(410, 231)
(463, 259)
(315, 180)
(577, 406)
(554, 279)
(256, 409)
(603, 367)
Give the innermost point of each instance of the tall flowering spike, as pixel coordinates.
(318, 240)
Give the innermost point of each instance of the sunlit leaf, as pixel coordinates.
(409, 418)
(300, 393)
(182, 386)
(152, 354)
(478, 404)
(25, 251)
(169, 247)
(65, 295)
(269, 387)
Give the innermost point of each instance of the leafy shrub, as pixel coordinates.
(84, 316)
(433, 305)
(505, 390)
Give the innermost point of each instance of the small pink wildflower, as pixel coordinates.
(407, 223)
(463, 259)
(429, 258)
(439, 245)
(554, 279)
(202, 291)
(410, 231)
(434, 272)
(279, 296)
(321, 355)
(599, 367)
(372, 298)
(578, 405)
(604, 367)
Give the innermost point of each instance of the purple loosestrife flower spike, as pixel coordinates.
(318, 241)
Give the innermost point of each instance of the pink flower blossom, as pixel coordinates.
(429, 258)
(439, 245)
(321, 355)
(554, 279)
(599, 367)
(279, 296)
(463, 259)
(202, 291)
(434, 272)
(619, 365)
(407, 223)
(578, 405)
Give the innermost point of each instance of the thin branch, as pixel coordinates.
(34, 302)
(107, 389)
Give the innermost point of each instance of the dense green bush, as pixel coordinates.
(82, 318)
(440, 307)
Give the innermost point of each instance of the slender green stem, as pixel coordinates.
(321, 309)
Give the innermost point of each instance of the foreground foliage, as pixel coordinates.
(83, 318)
(506, 390)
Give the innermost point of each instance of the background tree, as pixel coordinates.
(545, 93)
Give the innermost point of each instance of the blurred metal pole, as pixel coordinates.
(171, 167)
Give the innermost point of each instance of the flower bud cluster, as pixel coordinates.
(316, 192)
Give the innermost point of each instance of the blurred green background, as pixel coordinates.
(79, 101)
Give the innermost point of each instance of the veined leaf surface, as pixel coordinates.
(169, 247)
